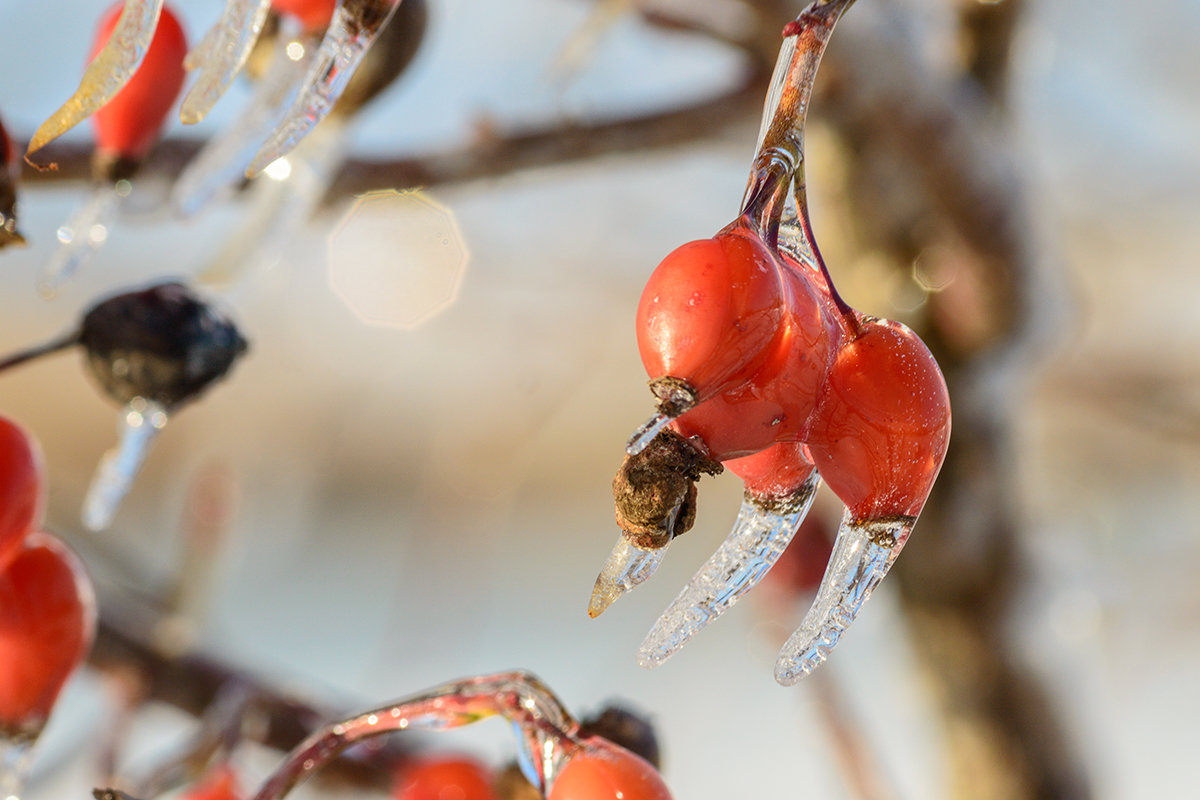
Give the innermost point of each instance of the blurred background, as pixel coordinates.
(407, 480)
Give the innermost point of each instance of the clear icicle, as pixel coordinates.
(280, 204)
(112, 68)
(81, 236)
(16, 756)
(201, 51)
(626, 567)
(222, 162)
(759, 536)
(223, 55)
(346, 42)
(544, 727)
(645, 433)
(138, 426)
(862, 555)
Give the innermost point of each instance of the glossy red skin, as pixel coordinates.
(778, 471)
(604, 771)
(776, 403)
(129, 124)
(881, 428)
(313, 14)
(711, 311)
(220, 783)
(22, 488)
(47, 621)
(445, 778)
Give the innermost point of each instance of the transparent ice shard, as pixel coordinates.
(112, 68)
(354, 27)
(279, 204)
(760, 534)
(626, 567)
(862, 555)
(223, 51)
(138, 426)
(222, 162)
(545, 729)
(644, 434)
(81, 236)
(16, 756)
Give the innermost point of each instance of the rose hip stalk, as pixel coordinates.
(153, 351)
(47, 621)
(127, 123)
(559, 759)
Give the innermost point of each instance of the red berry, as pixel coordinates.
(710, 314)
(882, 426)
(313, 14)
(47, 620)
(604, 771)
(778, 471)
(220, 783)
(444, 778)
(129, 123)
(21, 488)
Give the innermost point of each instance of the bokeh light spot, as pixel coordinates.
(397, 258)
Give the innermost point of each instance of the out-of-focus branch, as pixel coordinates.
(493, 152)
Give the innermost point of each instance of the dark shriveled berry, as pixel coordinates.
(164, 344)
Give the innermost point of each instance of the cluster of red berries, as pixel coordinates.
(47, 610)
(780, 376)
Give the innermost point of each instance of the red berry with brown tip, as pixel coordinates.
(881, 428)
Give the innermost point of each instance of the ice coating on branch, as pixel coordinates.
(221, 54)
(138, 425)
(626, 567)
(545, 729)
(761, 533)
(862, 555)
(108, 73)
(81, 236)
(222, 162)
(354, 27)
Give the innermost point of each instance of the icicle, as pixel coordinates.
(544, 727)
(282, 201)
(138, 426)
(16, 756)
(354, 26)
(82, 235)
(108, 73)
(626, 567)
(222, 55)
(760, 535)
(862, 555)
(222, 162)
(645, 433)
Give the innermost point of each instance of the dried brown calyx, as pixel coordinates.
(655, 490)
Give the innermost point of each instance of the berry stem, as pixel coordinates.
(781, 148)
(53, 346)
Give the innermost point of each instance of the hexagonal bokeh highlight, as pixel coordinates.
(396, 259)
